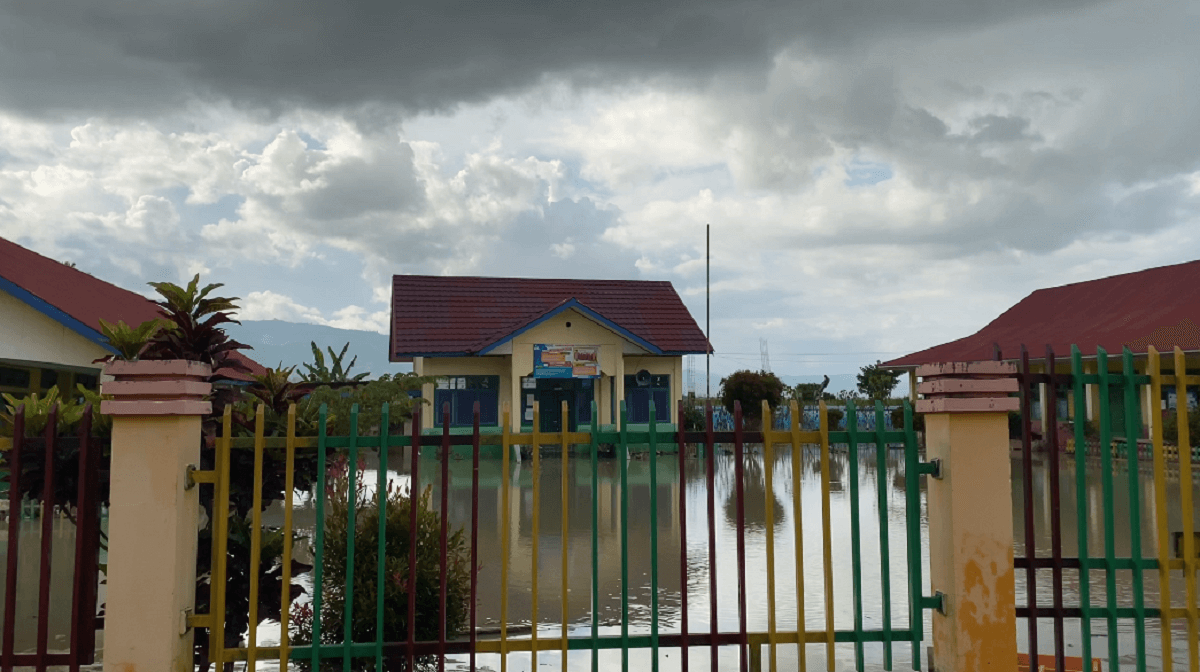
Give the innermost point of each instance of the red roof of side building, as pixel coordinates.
(1158, 306)
(447, 316)
(75, 299)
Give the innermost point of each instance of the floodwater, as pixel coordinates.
(578, 547)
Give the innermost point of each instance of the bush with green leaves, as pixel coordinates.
(396, 569)
(1171, 427)
(751, 388)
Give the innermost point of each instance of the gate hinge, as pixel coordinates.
(188, 620)
(937, 602)
(196, 475)
(931, 468)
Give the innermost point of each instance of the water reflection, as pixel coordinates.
(1142, 501)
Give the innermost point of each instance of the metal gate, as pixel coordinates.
(36, 467)
(358, 641)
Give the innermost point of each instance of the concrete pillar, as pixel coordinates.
(153, 518)
(970, 514)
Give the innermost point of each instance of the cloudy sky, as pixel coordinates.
(880, 175)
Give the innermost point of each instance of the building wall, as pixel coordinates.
(615, 362)
(39, 345)
(461, 366)
(28, 335)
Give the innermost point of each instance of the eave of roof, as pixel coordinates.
(1157, 306)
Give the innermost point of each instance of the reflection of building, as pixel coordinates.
(579, 547)
(1157, 306)
(508, 342)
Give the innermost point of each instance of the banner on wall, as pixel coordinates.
(566, 361)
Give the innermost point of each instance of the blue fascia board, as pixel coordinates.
(587, 312)
(431, 354)
(54, 313)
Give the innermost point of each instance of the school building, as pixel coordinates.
(511, 342)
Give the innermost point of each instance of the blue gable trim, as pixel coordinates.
(52, 312)
(588, 312)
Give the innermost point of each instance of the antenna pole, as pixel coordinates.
(707, 311)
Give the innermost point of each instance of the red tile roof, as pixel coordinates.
(83, 298)
(447, 315)
(1158, 306)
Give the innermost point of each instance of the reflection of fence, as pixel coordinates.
(47, 459)
(1125, 388)
(383, 654)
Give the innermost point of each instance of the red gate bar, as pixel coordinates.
(1055, 511)
(1027, 477)
(413, 495)
(43, 628)
(445, 515)
(741, 532)
(14, 533)
(709, 448)
(683, 564)
(474, 529)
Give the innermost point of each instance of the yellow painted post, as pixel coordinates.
(156, 409)
(826, 535)
(769, 463)
(256, 536)
(566, 490)
(289, 486)
(798, 533)
(970, 514)
(1160, 504)
(1185, 503)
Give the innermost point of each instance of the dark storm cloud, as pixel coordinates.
(141, 56)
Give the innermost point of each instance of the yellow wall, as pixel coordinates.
(28, 335)
(614, 364)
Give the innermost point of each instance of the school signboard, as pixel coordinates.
(566, 361)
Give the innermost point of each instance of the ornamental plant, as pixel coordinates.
(396, 568)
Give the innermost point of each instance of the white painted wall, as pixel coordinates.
(28, 335)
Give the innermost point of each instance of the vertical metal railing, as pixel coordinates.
(438, 642)
(1114, 455)
(81, 638)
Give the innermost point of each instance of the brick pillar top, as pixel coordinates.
(160, 387)
(967, 387)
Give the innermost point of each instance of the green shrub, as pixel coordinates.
(1171, 427)
(396, 564)
(834, 417)
(751, 389)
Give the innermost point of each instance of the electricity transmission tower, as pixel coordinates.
(766, 358)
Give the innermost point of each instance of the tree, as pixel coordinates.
(317, 372)
(875, 382)
(751, 389)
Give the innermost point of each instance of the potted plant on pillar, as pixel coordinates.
(164, 365)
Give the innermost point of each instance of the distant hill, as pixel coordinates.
(276, 341)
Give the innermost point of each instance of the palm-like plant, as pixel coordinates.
(196, 317)
(318, 372)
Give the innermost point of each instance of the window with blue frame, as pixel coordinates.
(461, 392)
(640, 390)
